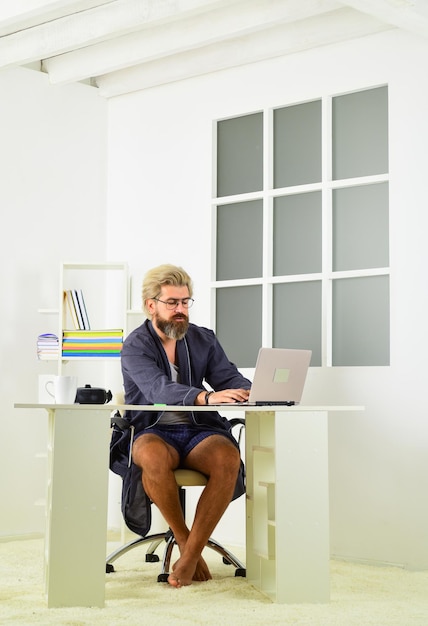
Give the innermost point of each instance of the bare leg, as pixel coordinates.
(218, 459)
(158, 461)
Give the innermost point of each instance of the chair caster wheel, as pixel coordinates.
(163, 578)
(241, 571)
(152, 558)
(109, 568)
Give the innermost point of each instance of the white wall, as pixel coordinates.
(160, 164)
(52, 166)
(52, 209)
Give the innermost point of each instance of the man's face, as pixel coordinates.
(168, 313)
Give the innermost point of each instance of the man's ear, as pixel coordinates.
(150, 304)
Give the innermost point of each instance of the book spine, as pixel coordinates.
(93, 333)
(71, 308)
(92, 340)
(67, 354)
(83, 311)
(77, 309)
(92, 346)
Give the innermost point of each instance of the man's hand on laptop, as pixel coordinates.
(224, 396)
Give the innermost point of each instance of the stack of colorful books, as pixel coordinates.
(92, 343)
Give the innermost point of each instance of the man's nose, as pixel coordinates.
(179, 306)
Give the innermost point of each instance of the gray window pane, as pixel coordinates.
(361, 321)
(239, 240)
(297, 234)
(297, 144)
(240, 155)
(360, 133)
(360, 227)
(239, 323)
(297, 317)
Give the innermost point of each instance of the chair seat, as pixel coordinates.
(189, 478)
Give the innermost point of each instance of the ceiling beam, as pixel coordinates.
(277, 41)
(409, 15)
(177, 37)
(88, 27)
(18, 15)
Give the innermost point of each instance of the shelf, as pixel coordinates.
(106, 288)
(267, 449)
(114, 265)
(264, 555)
(56, 312)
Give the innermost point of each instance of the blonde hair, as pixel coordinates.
(164, 275)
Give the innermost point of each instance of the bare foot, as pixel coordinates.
(184, 572)
(174, 581)
(202, 573)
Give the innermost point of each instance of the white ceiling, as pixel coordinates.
(126, 45)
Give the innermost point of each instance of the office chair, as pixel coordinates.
(184, 478)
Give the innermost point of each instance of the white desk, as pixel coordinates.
(287, 501)
(287, 534)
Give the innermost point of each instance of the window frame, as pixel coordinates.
(326, 186)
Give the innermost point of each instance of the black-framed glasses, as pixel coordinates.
(172, 303)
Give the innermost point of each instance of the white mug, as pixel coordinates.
(64, 389)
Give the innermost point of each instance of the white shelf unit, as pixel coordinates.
(105, 287)
(106, 290)
(287, 532)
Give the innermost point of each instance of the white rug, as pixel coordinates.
(360, 596)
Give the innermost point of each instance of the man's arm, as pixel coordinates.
(225, 395)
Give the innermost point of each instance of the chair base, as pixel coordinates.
(156, 539)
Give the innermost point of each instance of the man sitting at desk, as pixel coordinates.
(165, 361)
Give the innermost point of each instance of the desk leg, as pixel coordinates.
(77, 507)
(288, 505)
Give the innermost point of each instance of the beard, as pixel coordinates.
(174, 328)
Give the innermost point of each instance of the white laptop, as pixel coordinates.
(279, 377)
